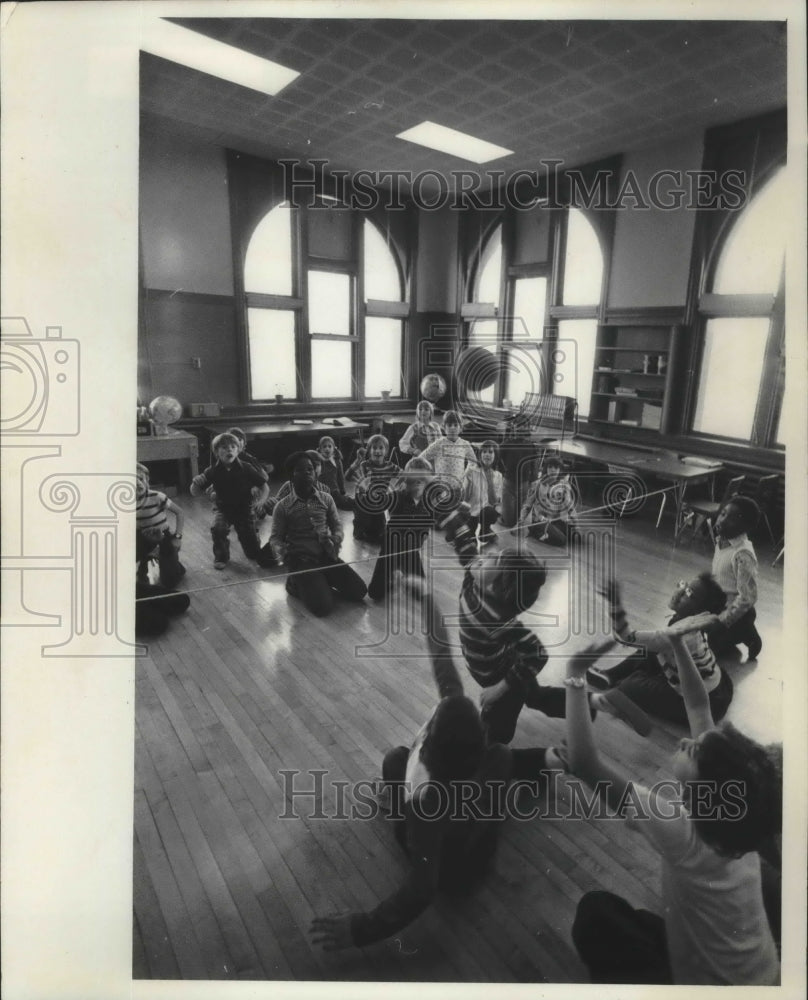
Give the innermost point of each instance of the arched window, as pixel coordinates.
(548, 333)
(582, 285)
(306, 337)
(385, 310)
(742, 358)
(483, 328)
(271, 308)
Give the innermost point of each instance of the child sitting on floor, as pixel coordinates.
(423, 432)
(735, 567)
(409, 521)
(332, 473)
(549, 504)
(152, 534)
(307, 535)
(649, 677)
(482, 491)
(450, 455)
(448, 785)
(707, 830)
(237, 486)
(316, 460)
(375, 471)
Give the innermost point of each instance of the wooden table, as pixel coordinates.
(177, 445)
(288, 428)
(663, 465)
(278, 430)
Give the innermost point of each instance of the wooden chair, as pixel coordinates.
(765, 496)
(700, 513)
(548, 418)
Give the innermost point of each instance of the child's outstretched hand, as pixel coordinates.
(695, 623)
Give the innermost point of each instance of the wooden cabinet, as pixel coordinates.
(636, 370)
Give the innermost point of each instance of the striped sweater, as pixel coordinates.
(495, 648)
(656, 642)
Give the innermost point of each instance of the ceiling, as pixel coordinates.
(574, 91)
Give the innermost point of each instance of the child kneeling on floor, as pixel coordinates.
(237, 487)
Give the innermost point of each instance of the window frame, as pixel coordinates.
(302, 263)
(552, 270)
(771, 306)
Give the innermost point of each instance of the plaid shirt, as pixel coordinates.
(300, 523)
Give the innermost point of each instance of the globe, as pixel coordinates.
(433, 387)
(164, 410)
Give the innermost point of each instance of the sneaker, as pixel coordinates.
(220, 564)
(598, 678)
(754, 646)
(291, 586)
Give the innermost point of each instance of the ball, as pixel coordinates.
(433, 387)
(476, 369)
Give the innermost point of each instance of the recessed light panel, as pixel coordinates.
(449, 140)
(180, 45)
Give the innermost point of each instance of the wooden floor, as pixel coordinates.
(248, 684)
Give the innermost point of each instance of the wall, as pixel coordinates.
(436, 266)
(652, 248)
(184, 216)
(187, 310)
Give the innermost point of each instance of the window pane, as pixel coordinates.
(268, 264)
(382, 356)
(583, 263)
(488, 276)
(574, 361)
(272, 353)
(331, 369)
(752, 256)
(381, 273)
(730, 376)
(483, 333)
(524, 367)
(329, 303)
(529, 297)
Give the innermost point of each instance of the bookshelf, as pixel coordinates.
(636, 368)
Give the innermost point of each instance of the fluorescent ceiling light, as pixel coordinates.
(449, 140)
(180, 45)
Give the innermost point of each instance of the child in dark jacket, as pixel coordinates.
(332, 473)
(247, 459)
(409, 521)
(237, 487)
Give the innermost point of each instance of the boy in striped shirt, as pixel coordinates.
(649, 677)
(503, 655)
(152, 532)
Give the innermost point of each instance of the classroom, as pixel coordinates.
(541, 264)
